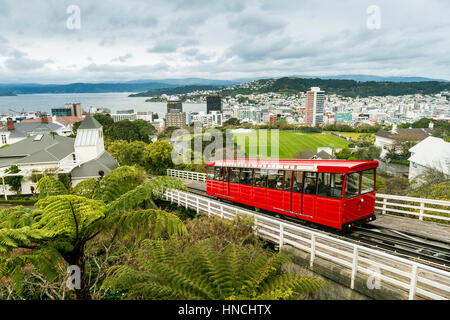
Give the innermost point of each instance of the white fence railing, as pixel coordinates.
(190, 175)
(421, 207)
(385, 203)
(418, 280)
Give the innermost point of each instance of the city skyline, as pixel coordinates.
(227, 40)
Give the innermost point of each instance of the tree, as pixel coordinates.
(128, 153)
(370, 153)
(232, 122)
(159, 157)
(15, 182)
(64, 223)
(145, 129)
(344, 154)
(163, 270)
(123, 130)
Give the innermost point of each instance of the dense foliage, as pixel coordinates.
(167, 270)
(64, 224)
(347, 88)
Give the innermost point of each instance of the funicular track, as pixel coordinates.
(434, 253)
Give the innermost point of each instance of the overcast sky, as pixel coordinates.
(149, 39)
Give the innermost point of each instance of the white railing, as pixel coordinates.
(421, 207)
(419, 280)
(385, 203)
(190, 175)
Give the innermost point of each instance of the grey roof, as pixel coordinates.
(24, 129)
(307, 154)
(104, 162)
(324, 155)
(89, 122)
(412, 134)
(51, 148)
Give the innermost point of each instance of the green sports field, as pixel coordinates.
(290, 142)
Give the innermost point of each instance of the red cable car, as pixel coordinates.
(334, 193)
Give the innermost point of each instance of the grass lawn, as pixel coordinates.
(291, 142)
(356, 135)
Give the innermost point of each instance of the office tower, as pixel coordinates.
(315, 99)
(176, 119)
(75, 108)
(174, 106)
(213, 103)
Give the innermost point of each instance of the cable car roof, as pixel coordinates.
(335, 166)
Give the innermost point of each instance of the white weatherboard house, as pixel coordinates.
(431, 153)
(81, 157)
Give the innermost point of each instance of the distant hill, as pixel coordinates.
(175, 91)
(347, 88)
(82, 87)
(366, 77)
(130, 86)
(7, 94)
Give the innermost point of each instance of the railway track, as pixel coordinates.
(412, 246)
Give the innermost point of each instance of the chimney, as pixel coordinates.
(10, 124)
(44, 118)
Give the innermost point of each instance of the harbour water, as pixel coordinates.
(113, 101)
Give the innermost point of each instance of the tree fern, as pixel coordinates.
(118, 182)
(50, 186)
(149, 190)
(164, 270)
(86, 188)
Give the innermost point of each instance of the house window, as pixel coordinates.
(3, 139)
(74, 157)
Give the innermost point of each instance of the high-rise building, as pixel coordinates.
(174, 106)
(213, 103)
(176, 119)
(75, 109)
(315, 99)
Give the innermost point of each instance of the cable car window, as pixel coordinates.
(218, 174)
(225, 174)
(246, 176)
(275, 179)
(235, 175)
(352, 185)
(287, 181)
(368, 181)
(310, 183)
(330, 185)
(297, 183)
(260, 178)
(210, 172)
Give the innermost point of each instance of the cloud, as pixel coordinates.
(24, 63)
(123, 58)
(125, 40)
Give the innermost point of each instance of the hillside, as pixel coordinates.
(175, 91)
(347, 88)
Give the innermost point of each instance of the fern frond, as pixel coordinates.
(150, 190)
(118, 182)
(50, 186)
(68, 215)
(85, 188)
(165, 270)
(145, 221)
